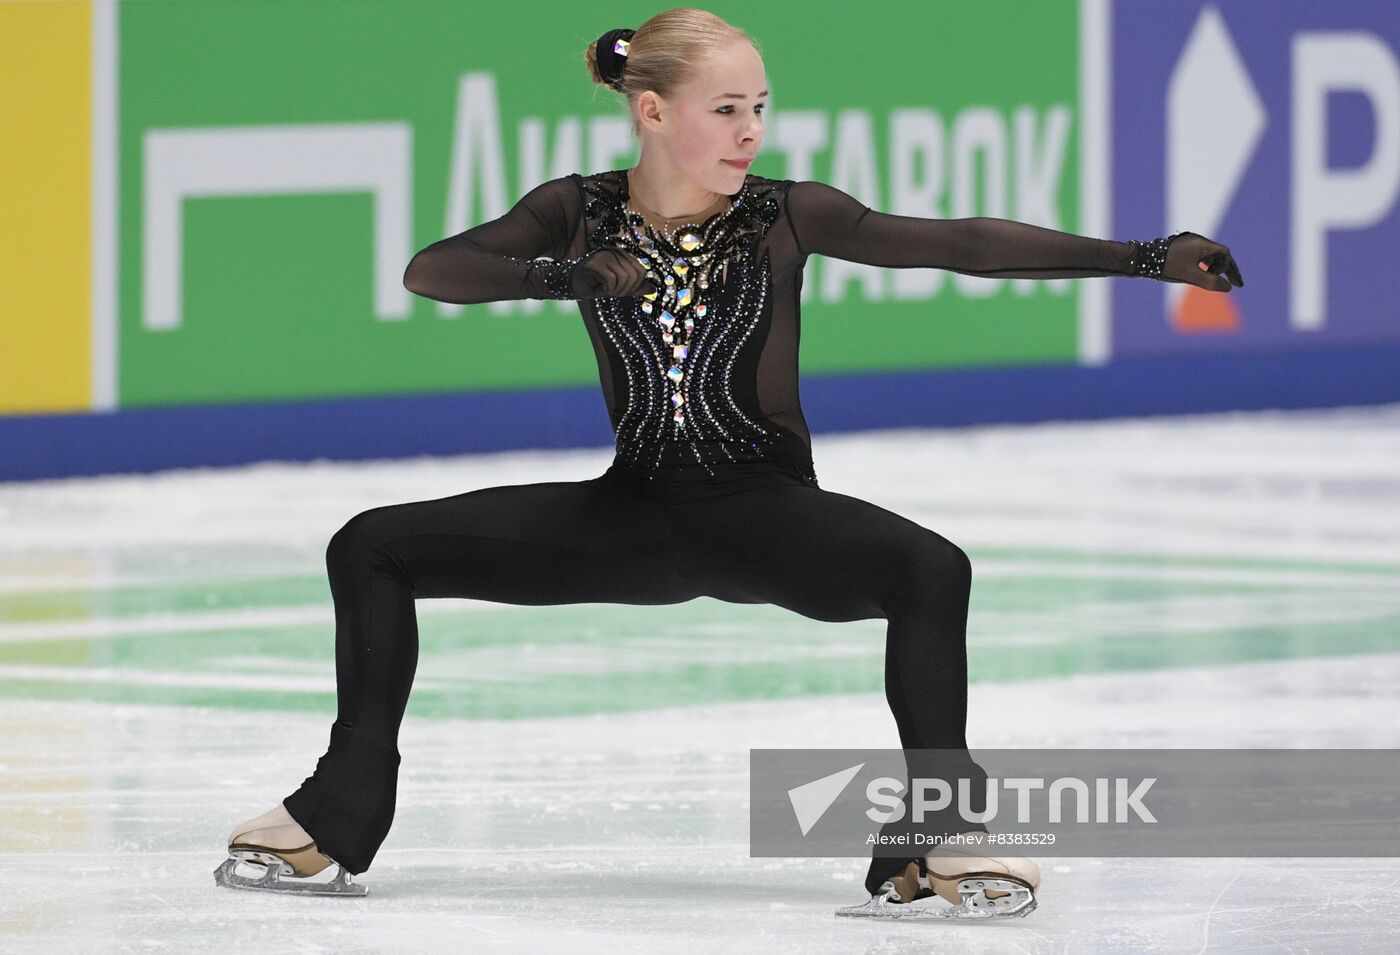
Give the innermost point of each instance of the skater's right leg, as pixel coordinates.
(531, 544)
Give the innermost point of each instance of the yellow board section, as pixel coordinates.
(45, 206)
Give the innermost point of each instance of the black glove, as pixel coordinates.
(606, 272)
(1188, 252)
(1189, 258)
(610, 273)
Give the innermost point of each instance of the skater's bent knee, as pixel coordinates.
(360, 540)
(936, 561)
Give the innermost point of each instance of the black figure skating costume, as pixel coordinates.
(712, 491)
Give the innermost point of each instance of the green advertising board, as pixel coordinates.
(280, 162)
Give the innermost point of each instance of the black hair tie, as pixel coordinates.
(610, 53)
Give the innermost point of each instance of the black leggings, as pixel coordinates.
(767, 537)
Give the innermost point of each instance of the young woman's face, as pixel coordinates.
(711, 125)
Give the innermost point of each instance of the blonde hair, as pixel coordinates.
(665, 53)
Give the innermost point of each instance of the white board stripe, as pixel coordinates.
(1095, 171)
(105, 75)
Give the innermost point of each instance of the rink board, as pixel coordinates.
(388, 427)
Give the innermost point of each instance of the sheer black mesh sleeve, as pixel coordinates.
(827, 221)
(498, 260)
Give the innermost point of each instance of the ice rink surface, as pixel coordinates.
(575, 778)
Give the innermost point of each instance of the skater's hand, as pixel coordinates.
(609, 272)
(1196, 260)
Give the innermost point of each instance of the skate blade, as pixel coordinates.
(271, 878)
(982, 899)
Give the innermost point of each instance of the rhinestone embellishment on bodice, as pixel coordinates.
(674, 355)
(681, 262)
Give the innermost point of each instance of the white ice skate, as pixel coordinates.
(272, 853)
(960, 884)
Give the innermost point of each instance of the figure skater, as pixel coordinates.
(687, 271)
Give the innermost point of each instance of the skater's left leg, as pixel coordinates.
(829, 556)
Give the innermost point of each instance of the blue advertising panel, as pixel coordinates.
(1273, 127)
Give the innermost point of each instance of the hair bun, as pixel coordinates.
(610, 54)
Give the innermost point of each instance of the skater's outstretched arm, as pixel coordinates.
(827, 221)
(499, 260)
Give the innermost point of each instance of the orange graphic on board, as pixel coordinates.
(1201, 312)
